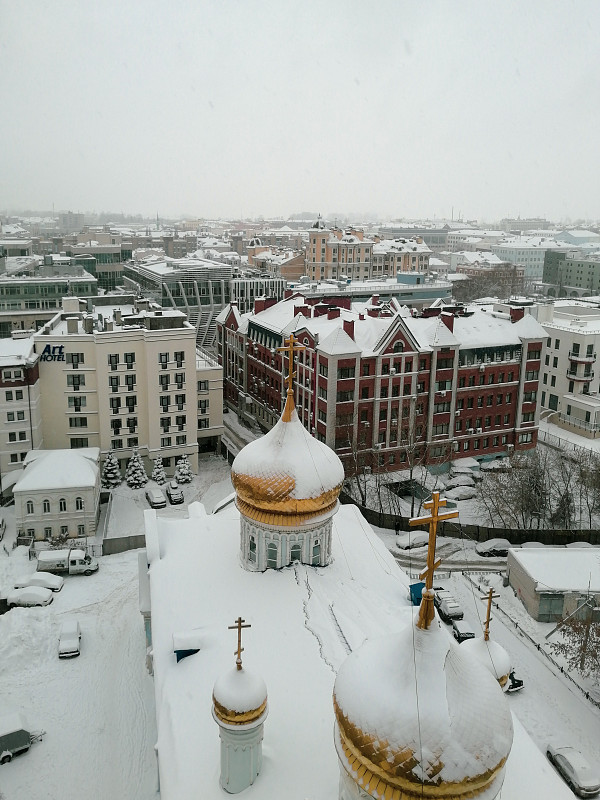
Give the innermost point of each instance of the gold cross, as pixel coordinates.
(488, 617)
(239, 625)
(291, 349)
(426, 612)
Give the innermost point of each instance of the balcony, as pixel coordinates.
(580, 358)
(585, 378)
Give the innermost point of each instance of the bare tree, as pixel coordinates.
(580, 644)
(518, 497)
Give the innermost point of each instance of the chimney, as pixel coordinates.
(333, 313)
(373, 312)
(287, 294)
(270, 301)
(349, 327)
(319, 310)
(304, 310)
(516, 313)
(448, 320)
(375, 300)
(259, 304)
(88, 323)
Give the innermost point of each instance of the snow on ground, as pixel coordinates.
(97, 709)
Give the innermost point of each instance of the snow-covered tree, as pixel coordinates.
(135, 474)
(580, 644)
(158, 473)
(183, 473)
(111, 474)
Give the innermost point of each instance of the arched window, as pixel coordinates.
(296, 553)
(252, 551)
(272, 555)
(29, 507)
(316, 553)
(46, 506)
(79, 503)
(398, 347)
(62, 504)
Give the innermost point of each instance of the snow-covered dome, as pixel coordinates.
(255, 242)
(287, 477)
(416, 717)
(492, 655)
(239, 697)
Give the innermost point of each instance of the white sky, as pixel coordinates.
(241, 108)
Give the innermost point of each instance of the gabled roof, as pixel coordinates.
(339, 343)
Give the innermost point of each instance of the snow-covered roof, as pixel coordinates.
(59, 469)
(560, 569)
(16, 352)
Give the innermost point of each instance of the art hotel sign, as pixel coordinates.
(53, 353)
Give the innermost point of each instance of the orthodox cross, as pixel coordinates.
(488, 617)
(291, 347)
(239, 624)
(426, 611)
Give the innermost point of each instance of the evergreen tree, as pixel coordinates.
(135, 474)
(183, 473)
(111, 475)
(158, 473)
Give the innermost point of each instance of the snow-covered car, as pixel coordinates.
(531, 545)
(69, 641)
(493, 547)
(45, 579)
(406, 541)
(579, 774)
(30, 596)
(460, 480)
(449, 610)
(462, 630)
(155, 498)
(174, 493)
(439, 593)
(461, 493)
(579, 545)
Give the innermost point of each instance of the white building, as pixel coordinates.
(58, 494)
(528, 252)
(120, 377)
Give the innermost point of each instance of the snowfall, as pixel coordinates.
(97, 710)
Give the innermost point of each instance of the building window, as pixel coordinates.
(76, 381)
(165, 441)
(78, 443)
(9, 396)
(47, 533)
(323, 370)
(64, 530)
(81, 530)
(77, 422)
(46, 506)
(180, 401)
(202, 423)
(316, 553)
(163, 360)
(179, 357)
(14, 458)
(203, 386)
(115, 404)
(113, 360)
(130, 381)
(180, 379)
(62, 504)
(19, 393)
(12, 437)
(79, 503)
(75, 359)
(10, 417)
(132, 441)
(181, 439)
(20, 415)
(252, 550)
(29, 507)
(346, 372)
(116, 444)
(163, 383)
(129, 360)
(77, 403)
(345, 397)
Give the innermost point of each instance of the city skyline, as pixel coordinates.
(267, 109)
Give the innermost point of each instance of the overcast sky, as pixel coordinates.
(238, 108)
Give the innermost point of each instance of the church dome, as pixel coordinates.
(492, 655)
(239, 697)
(416, 717)
(287, 477)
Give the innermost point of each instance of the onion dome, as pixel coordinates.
(492, 655)
(255, 242)
(239, 697)
(416, 717)
(287, 477)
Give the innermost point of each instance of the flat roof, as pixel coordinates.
(561, 569)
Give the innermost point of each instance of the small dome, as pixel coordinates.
(255, 242)
(416, 717)
(239, 697)
(287, 477)
(492, 655)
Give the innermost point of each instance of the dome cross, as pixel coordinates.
(239, 625)
(488, 617)
(426, 610)
(291, 349)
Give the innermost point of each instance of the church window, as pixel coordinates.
(252, 551)
(272, 555)
(296, 553)
(316, 553)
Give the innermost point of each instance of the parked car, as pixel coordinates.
(462, 630)
(174, 493)
(449, 610)
(579, 774)
(45, 579)
(30, 596)
(155, 498)
(15, 736)
(439, 593)
(406, 541)
(69, 641)
(493, 547)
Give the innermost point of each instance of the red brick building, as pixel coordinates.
(385, 387)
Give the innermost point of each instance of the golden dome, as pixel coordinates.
(239, 697)
(287, 477)
(416, 718)
(493, 657)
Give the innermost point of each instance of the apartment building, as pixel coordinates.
(571, 273)
(335, 253)
(383, 386)
(528, 252)
(20, 406)
(570, 380)
(119, 377)
(391, 256)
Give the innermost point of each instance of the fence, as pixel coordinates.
(523, 633)
(122, 543)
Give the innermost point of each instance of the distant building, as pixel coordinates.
(528, 252)
(571, 273)
(333, 254)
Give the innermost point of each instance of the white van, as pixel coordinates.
(69, 641)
